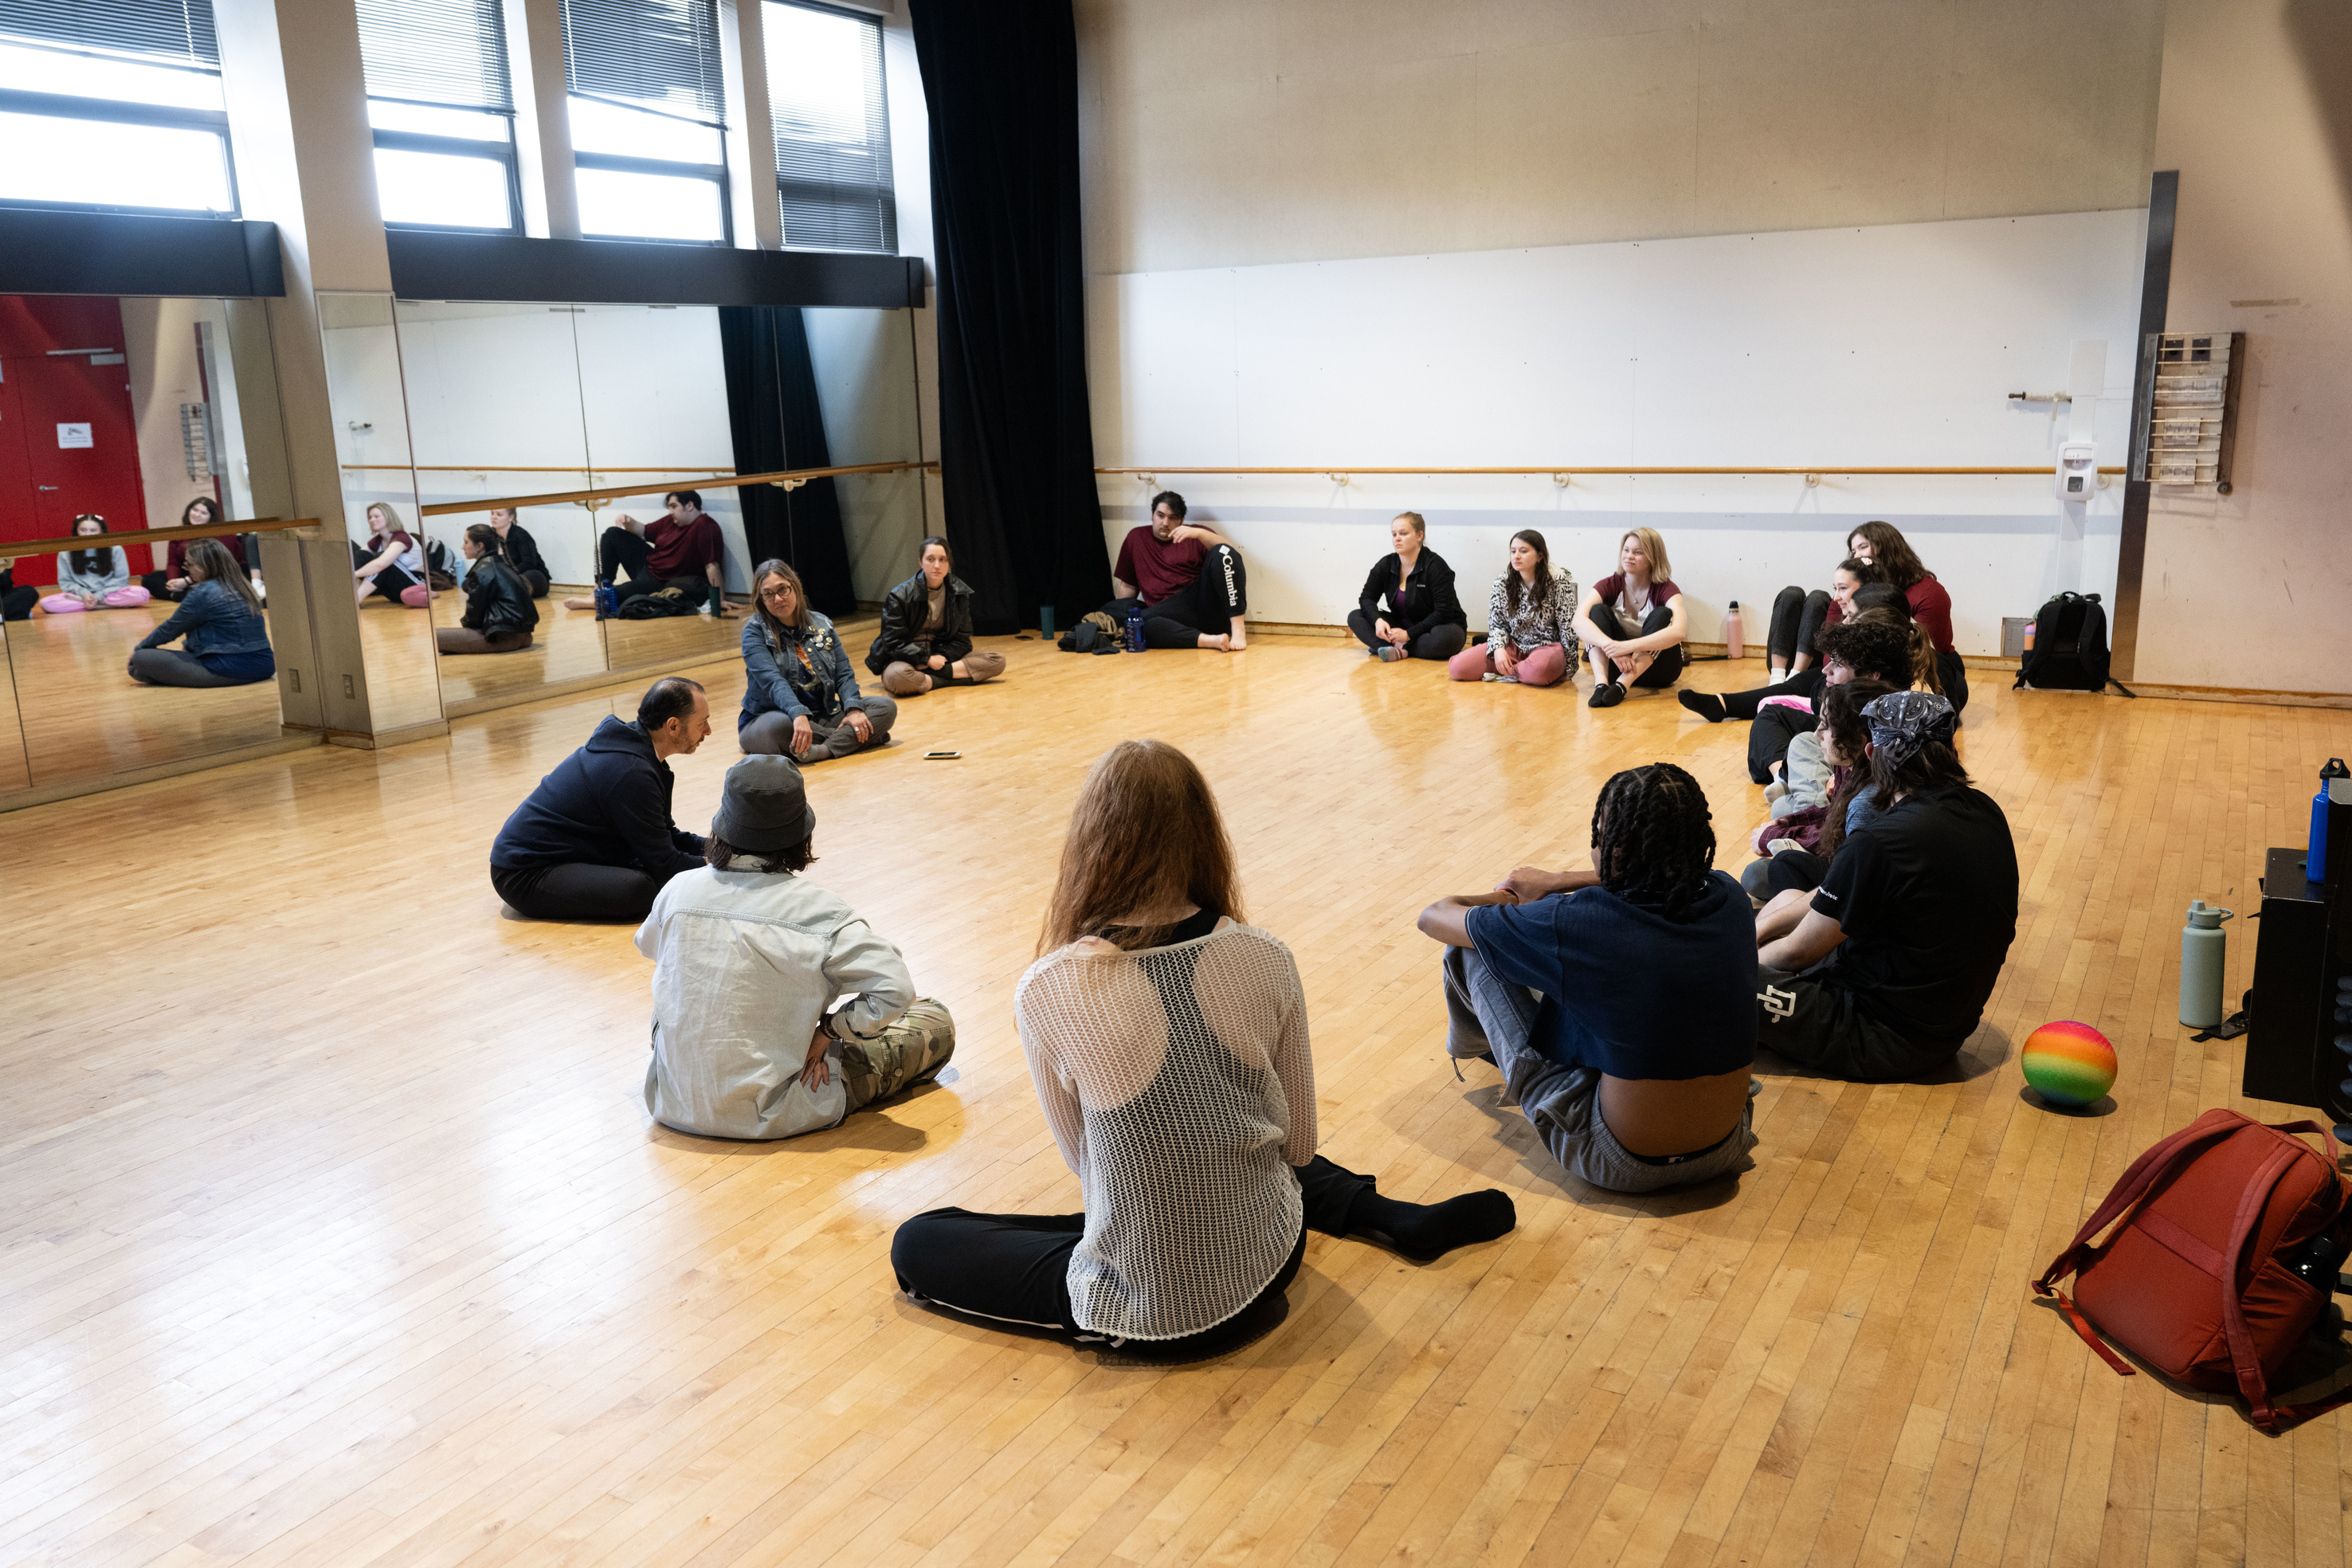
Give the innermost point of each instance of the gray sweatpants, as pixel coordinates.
(1487, 1015)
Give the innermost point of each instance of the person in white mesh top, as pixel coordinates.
(1168, 1044)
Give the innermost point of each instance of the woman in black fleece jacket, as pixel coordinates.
(1421, 617)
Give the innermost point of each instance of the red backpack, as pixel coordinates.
(2200, 1279)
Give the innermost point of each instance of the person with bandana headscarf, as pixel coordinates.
(1882, 973)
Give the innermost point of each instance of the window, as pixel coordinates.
(833, 128)
(648, 109)
(443, 111)
(114, 108)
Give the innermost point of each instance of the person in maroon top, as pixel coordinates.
(1188, 578)
(1881, 544)
(1633, 622)
(173, 582)
(683, 551)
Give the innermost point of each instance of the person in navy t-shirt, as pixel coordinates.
(1619, 1002)
(1187, 576)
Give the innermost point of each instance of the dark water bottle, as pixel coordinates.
(607, 601)
(1135, 627)
(2316, 1261)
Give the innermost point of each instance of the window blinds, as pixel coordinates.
(826, 100)
(648, 54)
(449, 52)
(166, 32)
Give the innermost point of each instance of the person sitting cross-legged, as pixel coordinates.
(1634, 621)
(1616, 1002)
(596, 841)
(220, 615)
(1186, 577)
(1408, 608)
(925, 638)
(800, 697)
(500, 615)
(1882, 973)
(750, 959)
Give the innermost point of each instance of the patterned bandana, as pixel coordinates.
(1901, 722)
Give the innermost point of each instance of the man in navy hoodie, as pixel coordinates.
(596, 841)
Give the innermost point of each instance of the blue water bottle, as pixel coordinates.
(2314, 858)
(1135, 627)
(607, 601)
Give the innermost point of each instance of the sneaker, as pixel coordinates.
(1388, 653)
(1776, 789)
(1608, 696)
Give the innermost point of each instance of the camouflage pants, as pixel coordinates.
(916, 1044)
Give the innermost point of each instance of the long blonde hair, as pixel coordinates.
(1654, 545)
(1146, 834)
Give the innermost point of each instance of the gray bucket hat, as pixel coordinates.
(764, 806)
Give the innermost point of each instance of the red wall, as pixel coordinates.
(44, 484)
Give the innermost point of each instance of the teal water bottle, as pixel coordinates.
(2203, 947)
(2314, 858)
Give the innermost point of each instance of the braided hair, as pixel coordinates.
(1652, 837)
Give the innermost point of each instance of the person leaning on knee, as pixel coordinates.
(1633, 1064)
(925, 639)
(500, 615)
(1634, 621)
(755, 1052)
(1530, 638)
(1422, 617)
(800, 697)
(220, 615)
(596, 841)
(1187, 578)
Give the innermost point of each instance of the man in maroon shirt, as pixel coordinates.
(683, 551)
(1188, 577)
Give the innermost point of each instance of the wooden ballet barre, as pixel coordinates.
(606, 493)
(1337, 470)
(18, 547)
(516, 468)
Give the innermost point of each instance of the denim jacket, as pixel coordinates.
(802, 673)
(214, 618)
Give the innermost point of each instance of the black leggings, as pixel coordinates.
(1666, 667)
(576, 892)
(16, 603)
(391, 582)
(1769, 737)
(622, 551)
(1437, 642)
(1015, 1269)
(1206, 607)
(1798, 618)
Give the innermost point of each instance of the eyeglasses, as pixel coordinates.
(781, 591)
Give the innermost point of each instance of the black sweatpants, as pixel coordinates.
(1798, 618)
(16, 603)
(1769, 735)
(1437, 642)
(1953, 671)
(621, 551)
(1207, 607)
(576, 892)
(1665, 669)
(538, 582)
(1791, 869)
(1822, 1025)
(1015, 1269)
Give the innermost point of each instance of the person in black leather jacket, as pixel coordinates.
(926, 636)
(498, 612)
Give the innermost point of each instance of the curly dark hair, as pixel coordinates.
(1653, 836)
(1870, 643)
(1840, 712)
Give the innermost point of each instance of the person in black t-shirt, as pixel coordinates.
(1883, 973)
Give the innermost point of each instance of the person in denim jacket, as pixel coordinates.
(227, 639)
(799, 698)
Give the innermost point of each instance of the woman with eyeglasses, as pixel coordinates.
(799, 698)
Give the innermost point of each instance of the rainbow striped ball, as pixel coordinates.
(2069, 1063)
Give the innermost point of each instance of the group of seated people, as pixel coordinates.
(219, 621)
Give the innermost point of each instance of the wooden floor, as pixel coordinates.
(332, 1230)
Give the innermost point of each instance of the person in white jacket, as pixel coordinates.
(750, 956)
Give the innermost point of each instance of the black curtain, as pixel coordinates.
(772, 412)
(1017, 447)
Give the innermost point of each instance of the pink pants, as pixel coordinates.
(121, 599)
(1544, 666)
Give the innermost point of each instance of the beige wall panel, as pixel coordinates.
(2042, 133)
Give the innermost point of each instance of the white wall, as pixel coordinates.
(1883, 346)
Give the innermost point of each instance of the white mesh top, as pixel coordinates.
(1178, 1084)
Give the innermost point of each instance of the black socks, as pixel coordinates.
(1706, 704)
(1429, 1230)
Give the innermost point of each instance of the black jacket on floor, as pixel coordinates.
(607, 804)
(497, 599)
(1430, 601)
(905, 609)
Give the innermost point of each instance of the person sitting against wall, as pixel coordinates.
(926, 635)
(1879, 643)
(684, 550)
(521, 549)
(96, 578)
(1883, 545)
(1634, 621)
(391, 564)
(749, 955)
(500, 615)
(173, 582)
(800, 697)
(1187, 577)
(1829, 797)
(220, 615)
(596, 841)
(1169, 1045)
(1530, 622)
(1883, 973)
(1421, 617)
(16, 601)
(1616, 1002)
(1792, 675)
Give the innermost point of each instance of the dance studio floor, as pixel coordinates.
(334, 1232)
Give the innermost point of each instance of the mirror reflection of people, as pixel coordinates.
(500, 615)
(800, 697)
(1408, 608)
(1634, 621)
(521, 549)
(925, 638)
(596, 841)
(173, 582)
(15, 602)
(226, 639)
(750, 958)
(391, 564)
(1530, 622)
(1168, 1042)
(684, 550)
(94, 578)
(1188, 578)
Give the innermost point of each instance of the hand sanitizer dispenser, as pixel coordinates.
(2078, 470)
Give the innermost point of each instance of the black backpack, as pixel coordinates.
(2070, 647)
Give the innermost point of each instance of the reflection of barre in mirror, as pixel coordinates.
(926, 635)
(226, 640)
(97, 577)
(500, 615)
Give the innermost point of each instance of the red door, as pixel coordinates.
(68, 438)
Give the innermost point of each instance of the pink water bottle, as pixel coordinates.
(1734, 633)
